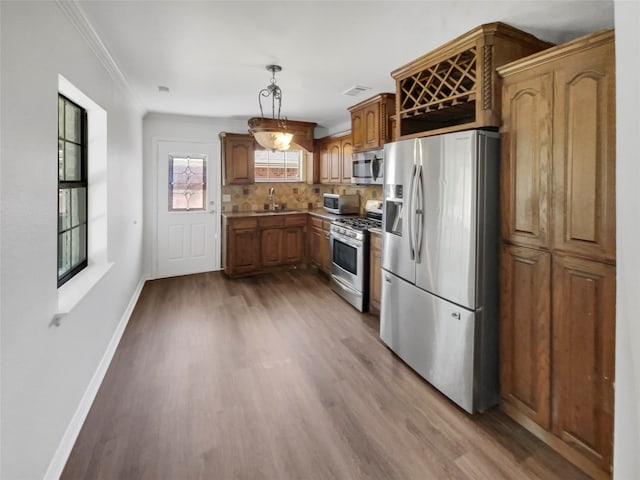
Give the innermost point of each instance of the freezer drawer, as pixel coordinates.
(439, 341)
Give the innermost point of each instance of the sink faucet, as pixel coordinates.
(272, 197)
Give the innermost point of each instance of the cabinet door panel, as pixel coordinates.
(584, 156)
(372, 126)
(375, 282)
(525, 328)
(239, 159)
(292, 244)
(325, 252)
(271, 247)
(526, 161)
(315, 246)
(583, 355)
(243, 251)
(357, 131)
(347, 160)
(335, 166)
(323, 155)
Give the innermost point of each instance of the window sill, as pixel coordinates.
(70, 294)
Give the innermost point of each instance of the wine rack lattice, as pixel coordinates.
(445, 84)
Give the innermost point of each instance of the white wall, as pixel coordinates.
(626, 459)
(46, 370)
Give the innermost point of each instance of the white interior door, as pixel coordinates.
(188, 218)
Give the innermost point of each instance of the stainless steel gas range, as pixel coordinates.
(350, 255)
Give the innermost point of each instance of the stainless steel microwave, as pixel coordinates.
(341, 204)
(368, 168)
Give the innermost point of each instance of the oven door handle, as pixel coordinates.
(346, 240)
(344, 286)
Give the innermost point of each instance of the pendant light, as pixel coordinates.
(271, 133)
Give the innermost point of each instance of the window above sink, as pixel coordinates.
(278, 166)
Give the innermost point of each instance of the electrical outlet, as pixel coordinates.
(226, 197)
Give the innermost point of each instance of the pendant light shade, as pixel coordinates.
(271, 133)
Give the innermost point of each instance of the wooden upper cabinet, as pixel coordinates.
(558, 154)
(455, 87)
(526, 159)
(583, 356)
(525, 331)
(370, 123)
(584, 154)
(238, 158)
(334, 155)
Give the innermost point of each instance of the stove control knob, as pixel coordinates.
(353, 234)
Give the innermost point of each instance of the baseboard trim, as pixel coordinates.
(68, 440)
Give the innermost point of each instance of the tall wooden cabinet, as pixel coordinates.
(558, 254)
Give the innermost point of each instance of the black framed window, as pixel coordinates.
(72, 189)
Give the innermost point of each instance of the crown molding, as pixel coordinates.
(73, 11)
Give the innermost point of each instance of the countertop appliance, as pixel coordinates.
(439, 308)
(349, 240)
(368, 167)
(341, 204)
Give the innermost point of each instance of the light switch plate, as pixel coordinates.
(226, 197)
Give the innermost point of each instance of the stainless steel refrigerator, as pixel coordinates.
(439, 310)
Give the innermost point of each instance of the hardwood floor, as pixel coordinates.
(276, 377)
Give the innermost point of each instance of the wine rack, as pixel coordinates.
(456, 86)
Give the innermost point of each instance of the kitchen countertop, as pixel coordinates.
(316, 212)
(265, 213)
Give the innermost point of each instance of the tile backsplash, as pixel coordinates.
(300, 196)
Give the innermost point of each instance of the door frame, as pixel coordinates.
(215, 178)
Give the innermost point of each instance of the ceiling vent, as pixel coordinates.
(356, 90)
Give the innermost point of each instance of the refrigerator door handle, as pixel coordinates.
(410, 233)
(419, 215)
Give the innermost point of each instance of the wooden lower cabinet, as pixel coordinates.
(243, 246)
(557, 327)
(525, 332)
(583, 356)
(375, 273)
(257, 244)
(319, 244)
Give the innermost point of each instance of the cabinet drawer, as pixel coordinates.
(272, 221)
(326, 225)
(316, 222)
(242, 223)
(295, 220)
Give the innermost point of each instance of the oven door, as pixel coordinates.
(348, 270)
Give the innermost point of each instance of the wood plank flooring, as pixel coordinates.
(276, 377)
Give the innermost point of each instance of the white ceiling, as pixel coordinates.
(212, 54)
